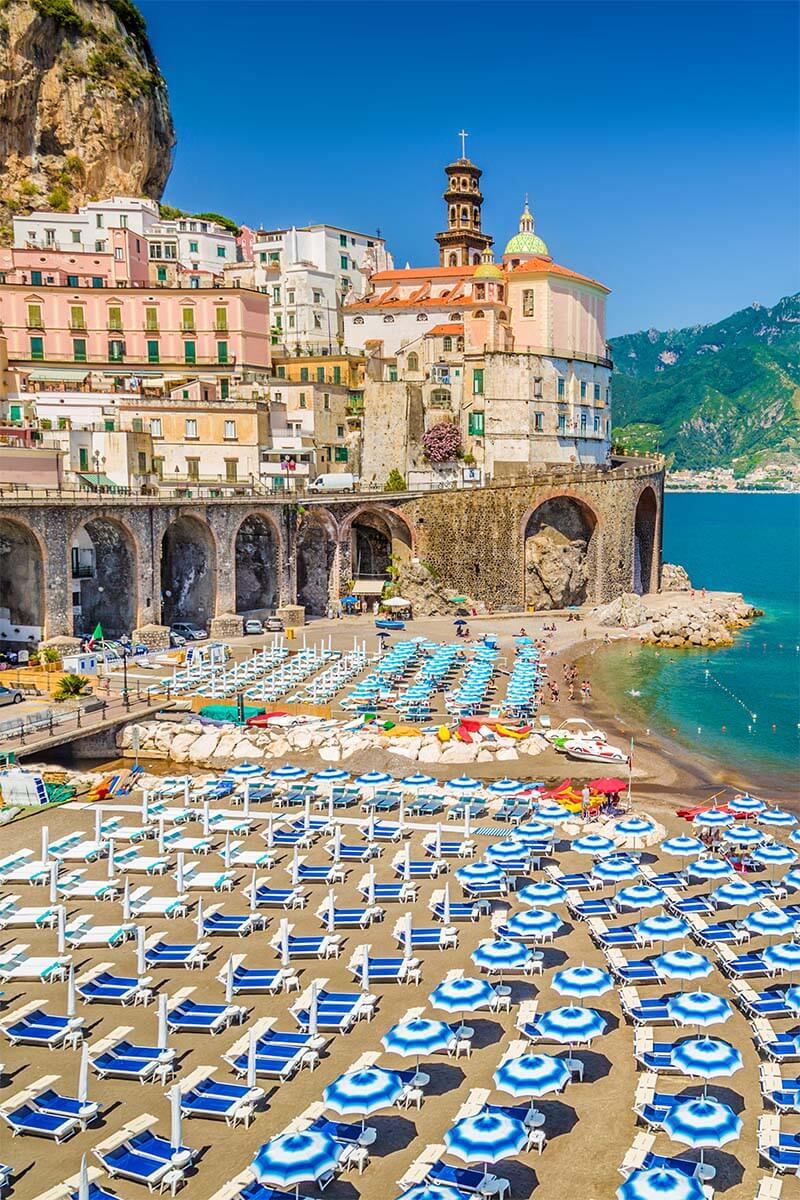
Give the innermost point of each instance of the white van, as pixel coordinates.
(339, 481)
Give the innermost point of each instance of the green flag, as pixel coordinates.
(97, 636)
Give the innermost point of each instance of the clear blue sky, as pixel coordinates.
(658, 141)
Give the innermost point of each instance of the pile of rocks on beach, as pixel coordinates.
(203, 745)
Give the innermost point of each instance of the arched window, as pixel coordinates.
(455, 316)
(476, 258)
(389, 320)
(501, 291)
(447, 345)
(452, 260)
(503, 316)
(476, 214)
(422, 316)
(358, 320)
(453, 212)
(480, 291)
(460, 344)
(412, 362)
(465, 214)
(479, 314)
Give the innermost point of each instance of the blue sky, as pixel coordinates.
(658, 141)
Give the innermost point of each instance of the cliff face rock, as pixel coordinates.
(83, 109)
(555, 568)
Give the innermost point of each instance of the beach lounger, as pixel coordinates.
(649, 1011)
(269, 897)
(125, 1060)
(260, 981)
(650, 1055)
(311, 946)
(779, 1047)
(436, 937)
(190, 1017)
(84, 1112)
(26, 1119)
(40, 1028)
(391, 893)
(166, 954)
(82, 934)
(584, 909)
(604, 936)
(219, 924)
(782, 1094)
(351, 918)
(578, 881)
(770, 1003)
(35, 969)
(640, 971)
(387, 970)
(141, 1168)
(779, 1150)
(30, 917)
(106, 988)
(219, 1101)
(716, 933)
(741, 966)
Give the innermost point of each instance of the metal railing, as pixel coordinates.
(88, 718)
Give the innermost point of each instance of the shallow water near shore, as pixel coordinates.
(741, 704)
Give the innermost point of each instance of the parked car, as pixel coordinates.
(10, 695)
(334, 481)
(273, 625)
(189, 630)
(176, 640)
(253, 625)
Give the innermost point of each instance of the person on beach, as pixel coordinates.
(585, 795)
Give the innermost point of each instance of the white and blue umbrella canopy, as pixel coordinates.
(710, 866)
(747, 804)
(532, 1075)
(245, 770)
(683, 964)
(542, 894)
(480, 872)
(770, 922)
(582, 981)
(594, 844)
(431, 1191)
(330, 775)
(533, 923)
(505, 852)
(702, 1122)
(699, 1008)
(462, 783)
(774, 854)
(785, 956)
(363, 1092)
(416, 1037)
(552, 813)
(287, 773)
(662, 927)
(660, 1183)
(418, 780)
(683, 846)
(792, 997)
(635, 827)
(777, 818)
(640, 895)
(706, 1057)
(571, 1024)
(534, 831)
(744, 835)
(616, 869)
(486, 1138)
(462, 995)
(737, 893)
(713, 818)
(506, 787)
(294, 1158)
(791, 879)
(501, 955)
(373, 779)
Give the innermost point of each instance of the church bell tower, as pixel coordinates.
(462, 243)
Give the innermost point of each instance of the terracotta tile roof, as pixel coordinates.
(444, 330)
(424, 273)
(545, 266)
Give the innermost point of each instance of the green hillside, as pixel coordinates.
(714, 395)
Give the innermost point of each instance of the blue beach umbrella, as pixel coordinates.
(749, 805)
(506, 852)
(486, 1138)
(534, 831)
(330, 775)
(412, 1039)
(533, 923)
(594, 844)
(792, 997)
(699, 1008)
(532, 1075)
(794, 836)
(552, 813)
(462, 784)
(616, 869)
(744, 835)
(777, 817)
(506, 787)
(363, 1092)
(660, 1183)
(245, 770)
(571, 1024)
(418, 780)
(542, 893)
(711, 867)
(373, 779)
(774, 854)
(683, 964)
(431, 1191)
(479, 872)
(706, 1057)
(792, 880)
(713, 818)
(295, 1158)
(463, 995)
(501, 955)
(662, 927)
(683, 846)
(702, 1123)
(582, 981)
(770, 922)
(640, 895)
(635, 827)
(785, 956)
(287, 773)
(736, 893)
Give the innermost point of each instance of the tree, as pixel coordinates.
(69, 687)
(394, 481)
(442, 442)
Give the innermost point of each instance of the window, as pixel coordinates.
(388, 320)
(561, 387)
(597, 392)
(291, 320)
(221, 319)
(318, 297)
(76, 236)
(344, 262)
(527, 302)
(480, 291)
(304, 374)
(187, 318)
(340, 431)
(583, 390)
(35, 316)
(36, 278)
(340, 454)
(220, 251)
(77, 318)
(479, 314)
(194, 281)
(231, 469)
(123, 221)
(412, 362)
(302, 399)
(280, 372)
(538, 422)
(151, 318)
(360, 320)
(72, 281)
(326, 401)
(275, 258)
(142, 461)
(190, 427)
(608, 395)
(537, 387)
(597, 424)
(193, 468)
(337, 374)
(420, 317)
(229, 431)
(37, 349)
(79, 349)
(584, 419)
(156, 428)
(342, 239)
(190, 352)
(193, 248)
(290, 297)
(99, 220)
(118, 255)
(392, 374)
(170, 250)
(161, 274)
(97, 281)
(83, 459)
(115, 318)
(158, 466)
(477, 381)
(224, 389)
(222, 352)
(320, 374)
(153, 352)
(15, 412)
(262, 257)
(278, 321)
(116, 350)
(475, 424)
(562, 423)
(276, 295)
(447, 345)
(99, 247)
(317, 321)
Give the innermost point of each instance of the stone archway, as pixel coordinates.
(104, 576)
(379, 538)
(645, 531)
(256, 565)
(316, 555)
(188, 565)
(561, 552)
(22, 610)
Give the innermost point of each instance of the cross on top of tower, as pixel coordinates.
(463, 135)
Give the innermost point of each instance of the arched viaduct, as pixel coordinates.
(125, 562)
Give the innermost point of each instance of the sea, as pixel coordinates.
(739, 705)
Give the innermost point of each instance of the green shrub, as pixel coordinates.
(59, 199)
(27, 188)
(71, 686)
(49, 654)
(62, 12)
(394, 482)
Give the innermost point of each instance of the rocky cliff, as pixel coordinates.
(83, 109)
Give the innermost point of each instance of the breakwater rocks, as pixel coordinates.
(679, 619)
(216, 745)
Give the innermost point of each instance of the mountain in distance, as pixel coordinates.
(723, 395)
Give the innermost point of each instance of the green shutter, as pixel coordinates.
(189, 352)
(222, 352)
(79, 349)
(152, 352)
(37, 348)
(223, 389)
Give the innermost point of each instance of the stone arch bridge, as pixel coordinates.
(558, 537)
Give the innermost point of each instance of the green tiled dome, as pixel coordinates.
(526, 243)
(488, 270)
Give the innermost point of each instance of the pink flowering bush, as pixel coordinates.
(442, 442)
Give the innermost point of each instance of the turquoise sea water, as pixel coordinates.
(708, 699)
